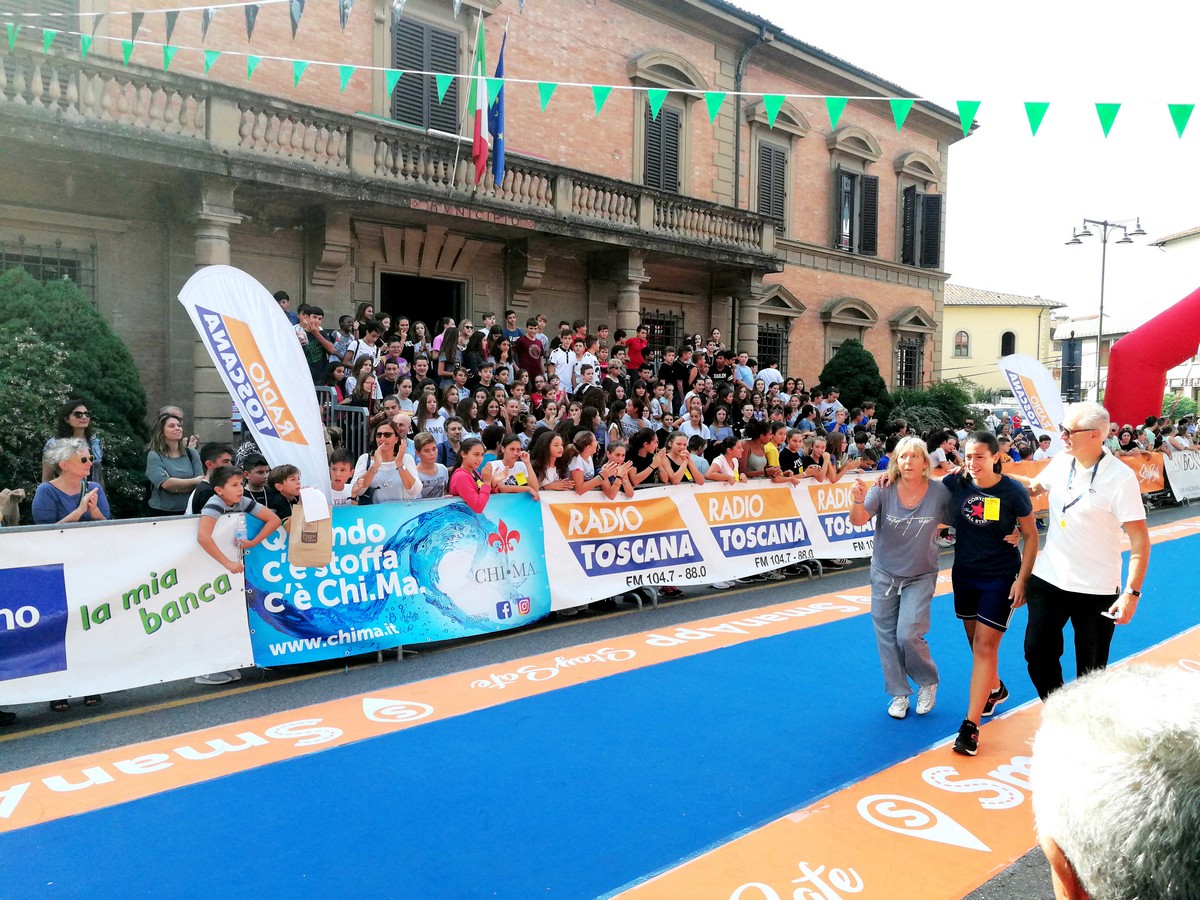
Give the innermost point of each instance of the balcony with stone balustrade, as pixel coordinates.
(98, 107)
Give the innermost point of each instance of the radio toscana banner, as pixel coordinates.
(693, 535)
(401, 573)
(255, 350)
(95, 609)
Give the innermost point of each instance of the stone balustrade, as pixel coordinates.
(235, 121)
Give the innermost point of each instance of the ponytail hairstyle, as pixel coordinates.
(988, 440)
(582, 440)
(725, 445)
(463, 448)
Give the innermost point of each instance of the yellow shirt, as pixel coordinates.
(771, 452)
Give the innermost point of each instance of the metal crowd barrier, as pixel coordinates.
(352, 420)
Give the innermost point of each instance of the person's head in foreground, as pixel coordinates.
(1116, 785)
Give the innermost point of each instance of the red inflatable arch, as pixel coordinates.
(1138, 362)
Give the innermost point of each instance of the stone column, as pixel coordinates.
(746, 288)
(212, 215)
(626, 270)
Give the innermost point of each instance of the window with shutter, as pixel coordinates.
(662, 149)
(844, 190)
(60, 15)
(931, 231)
(868, 229)
(417, 47)
(772, 181)
(908, 227)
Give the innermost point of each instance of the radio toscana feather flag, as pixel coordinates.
(260, 361)
(1037, 394)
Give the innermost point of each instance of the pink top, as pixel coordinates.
(467, 484)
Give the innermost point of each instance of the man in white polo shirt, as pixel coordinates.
(1077, 577)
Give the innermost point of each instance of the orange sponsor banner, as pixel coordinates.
(1149, 471)
(621, 519)
(937, 825)
(1028, 469)
(746, 505)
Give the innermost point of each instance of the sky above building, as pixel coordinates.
(1013, 199)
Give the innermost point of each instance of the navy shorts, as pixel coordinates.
(983, 599)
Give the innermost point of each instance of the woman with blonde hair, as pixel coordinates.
(904, 567)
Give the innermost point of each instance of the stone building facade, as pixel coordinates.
(789, 237)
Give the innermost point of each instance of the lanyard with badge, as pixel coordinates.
(1070, 479)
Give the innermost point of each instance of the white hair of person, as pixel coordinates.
(59, 450)
(1087, 414)
(916, 444)
(1116, 781)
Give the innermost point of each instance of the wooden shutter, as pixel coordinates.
(31, 34)
(419, 48)
(908, 227)
(443, 57)
(931, 231)
(672, 132)
(653, 150)
(868, 227)
(408, 55)
(772, 181)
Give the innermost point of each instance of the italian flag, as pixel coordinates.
(477, 105)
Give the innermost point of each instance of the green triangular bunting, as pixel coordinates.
(347, 72)
(126, 50)
(210, 57)
(900, 109)
(966, 114)
(493, 88)
(656, 96)
(714, 101)
(252, 64)
(546, 91)
(48, 36)
(168, 55)
(1108, 114)
(393, 78)
(443, 85)
(772, 104)
(835, 106)
(600, 94)
(1035, 112)
(298, 67)
(85, 44)
(13, 31)
(1180, 113)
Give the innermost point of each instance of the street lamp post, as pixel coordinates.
(1127, 237)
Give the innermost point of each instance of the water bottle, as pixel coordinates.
(241, 530)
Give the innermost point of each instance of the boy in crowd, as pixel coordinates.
(228, 497)
(283, 490)
(257, 471)
(212, 455)
(341, 470)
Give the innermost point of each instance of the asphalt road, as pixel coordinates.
(40, 735)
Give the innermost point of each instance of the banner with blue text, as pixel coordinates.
(401, 573)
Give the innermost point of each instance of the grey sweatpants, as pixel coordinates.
(900, 611)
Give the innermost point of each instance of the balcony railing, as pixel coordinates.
(230, 120)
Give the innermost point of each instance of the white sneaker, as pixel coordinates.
(234, 674)
(214, 678)
(898, 708)
(926, 697)
(723, 585)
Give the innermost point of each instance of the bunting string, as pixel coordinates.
(899, 107)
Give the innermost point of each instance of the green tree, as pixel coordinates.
(854, 372)
(1177, 406)
(61, 347)
(941, 405)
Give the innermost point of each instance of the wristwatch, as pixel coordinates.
(1132, 593)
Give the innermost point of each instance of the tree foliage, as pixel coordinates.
(941, 405)
(61, 347)
(1178, 405)
(854, 371)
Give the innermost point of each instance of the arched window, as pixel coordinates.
(1008, 343)
(661, 144)
(962, 343)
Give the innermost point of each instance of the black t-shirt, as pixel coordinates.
(720, 376)
(279, 504)
(981, 526)
(200, 496)
(805, 462)
(789, 461)
(641, 463)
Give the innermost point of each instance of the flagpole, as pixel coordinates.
(462, 112)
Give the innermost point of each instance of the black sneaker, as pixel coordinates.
(998, 696)
(967, 742)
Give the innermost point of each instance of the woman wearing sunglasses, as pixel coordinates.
(75, 421)
(71, 495)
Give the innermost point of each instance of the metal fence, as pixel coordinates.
(665, 328)
(352, 421)
(773, 343)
